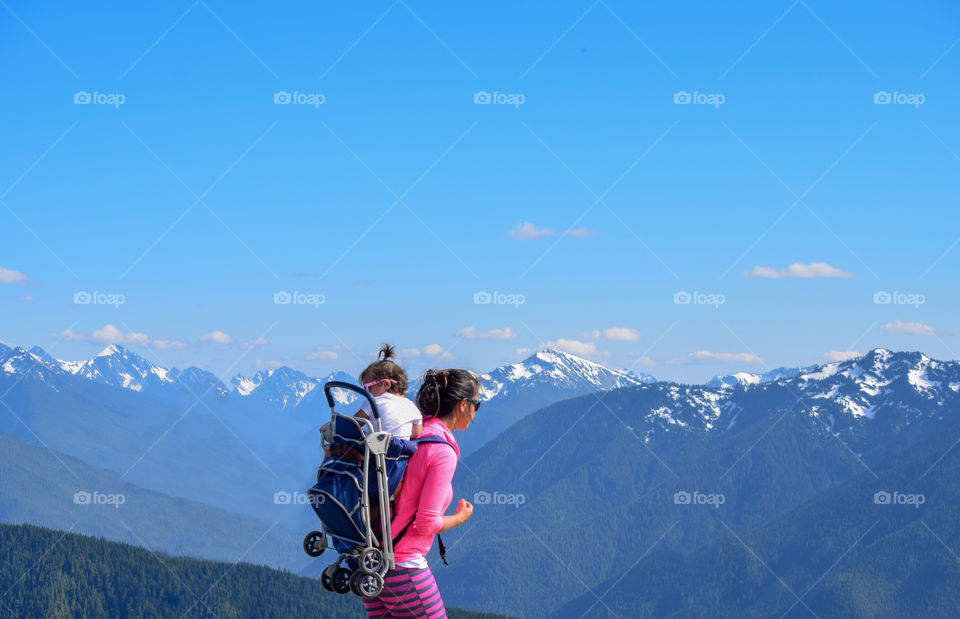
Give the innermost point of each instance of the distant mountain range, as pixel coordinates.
(117, 366)
(747, 378)
(638, 472)
(510, 392)
(513, 391)
(185, 434)
(566, 459)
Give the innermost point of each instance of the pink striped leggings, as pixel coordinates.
(408, 592)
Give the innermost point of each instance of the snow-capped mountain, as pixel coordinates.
(513, 391)
(285, 387)
(739, 379)
(747, 378)
(556, 370)
(18, 361)
(119, 367)
(278, 389)
(909, 381)
(866, 400)
(541, 379)
(855, 389)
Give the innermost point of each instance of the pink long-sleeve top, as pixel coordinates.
(427, 492)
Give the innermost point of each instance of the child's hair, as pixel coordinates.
(384, 368)
(441, 391)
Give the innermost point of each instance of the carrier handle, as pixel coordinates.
(338, 384)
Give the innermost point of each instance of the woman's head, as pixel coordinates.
(384, 375)
(451, 395)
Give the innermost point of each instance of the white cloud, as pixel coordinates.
(620, 334)
(433, 351)
(841, 355)
(322, 354)
(27, 297)
(217, 337)
(909, 328)
(797, 270)
(577, 347)
(645, 360)
(436, 351)
(581, 233)
(109, 334)
(528, 231)
(328, 353)
(706, 356)
(250, 344)
(492, 334)
(70, 335)
(269, 364)
(9, 276)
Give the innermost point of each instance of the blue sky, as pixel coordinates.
(386, 189)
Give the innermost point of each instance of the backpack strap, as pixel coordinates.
(428, 438)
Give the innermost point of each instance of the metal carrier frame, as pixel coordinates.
(373, 561)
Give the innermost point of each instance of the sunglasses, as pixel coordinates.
(476, 403)
(389, 382)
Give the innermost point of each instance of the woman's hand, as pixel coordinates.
(464, 510)
(463, 513)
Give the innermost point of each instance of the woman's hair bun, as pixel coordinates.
(441, 390)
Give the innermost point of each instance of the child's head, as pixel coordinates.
(384, 375)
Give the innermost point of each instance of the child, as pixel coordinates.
(387, 383)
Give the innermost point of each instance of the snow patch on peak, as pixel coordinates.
(243, 385)
(110, 350)
(733, 380)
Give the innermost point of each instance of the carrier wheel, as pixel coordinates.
(314, 543)
(371, 561)
(366, 585)
(326, 578)
(341, 580)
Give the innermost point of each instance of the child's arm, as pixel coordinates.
(415, 430)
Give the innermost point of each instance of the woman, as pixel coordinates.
(448, 400)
